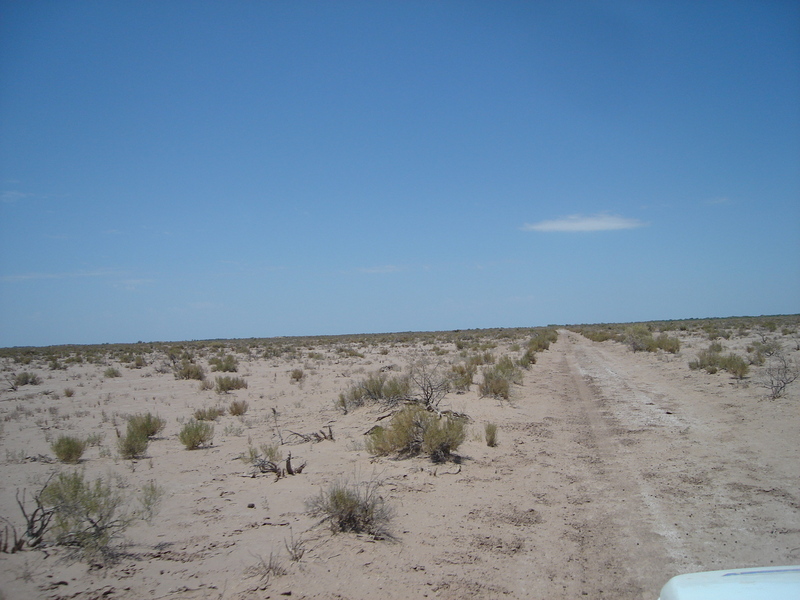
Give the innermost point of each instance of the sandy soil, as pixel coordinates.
(615, 471)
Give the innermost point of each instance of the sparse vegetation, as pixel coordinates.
(780, 374)
(111, 372)
(297, 375)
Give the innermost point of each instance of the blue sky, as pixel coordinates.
(190, 170)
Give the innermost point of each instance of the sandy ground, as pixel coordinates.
(615, 471)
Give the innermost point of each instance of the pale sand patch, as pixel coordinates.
(614, 472)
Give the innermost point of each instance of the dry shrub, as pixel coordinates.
(415, 430)
(226, 383)
(490, 431)
(238, 407)
(357, 508)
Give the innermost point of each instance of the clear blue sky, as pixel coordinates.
(175, 170)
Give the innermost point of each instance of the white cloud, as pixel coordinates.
(579, 223)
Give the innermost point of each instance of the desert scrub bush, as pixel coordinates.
(712, 360)
(297, 375)
(238, 407)
(779, 374)
(357, 508)
(498, 378)
(462, 376)
(667, 343)
(112, 372)
(196, 434)
(414, 430)
(189, 370)
(490, 433)
(134, 443)
(148, 425)
(87, 515)
(25, 378)
(68, 449)
(226, 383)
(376, 387)
(430, 382)
(69, 392)
(639, 338)
(226, 363)
(209, 414)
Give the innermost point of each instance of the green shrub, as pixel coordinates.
(238, 407)
(189, 370)
(148, 425)
(490, 431)
(353, 508)
(227, 383)
(68, 449)
(226, 364)
(196, 434)
(112, 372)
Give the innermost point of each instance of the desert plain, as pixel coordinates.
(613, 471)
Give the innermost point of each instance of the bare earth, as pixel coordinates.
(615, 471)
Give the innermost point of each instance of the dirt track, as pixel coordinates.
(647, 473)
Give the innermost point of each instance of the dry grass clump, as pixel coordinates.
(196, 434)
(376, 387)
(712, 360)
(189, 370)
(226, 363)
(227, 383)
(134, 443)
(462, 377)
(209, 414)
(238, 407)
(490, 431)
(353, 508)
(112, 372)
(148, 424)
(415, 430)
(68, 449)
(297, 375)
(498, 378)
